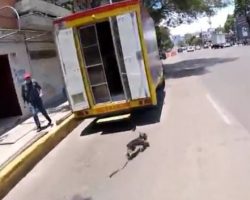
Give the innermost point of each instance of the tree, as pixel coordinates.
(175, 12)
(193, 40)
(163, 38)
(229, 24)
(181, 43)
(242, 7)
(220, 29)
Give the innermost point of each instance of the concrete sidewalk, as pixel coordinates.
(23, 134)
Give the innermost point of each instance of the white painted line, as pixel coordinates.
(219, 110)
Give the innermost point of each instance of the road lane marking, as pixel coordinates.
(219, 110)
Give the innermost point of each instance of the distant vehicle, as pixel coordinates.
(245, 42)
(180, 50)
(119, 75)
(227, 44)
(163, 55)
(205, 46)
(184, 48)
(198, 47)
(218, 40)
(190, 49)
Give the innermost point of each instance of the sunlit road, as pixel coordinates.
(226, 74)
(199, 142)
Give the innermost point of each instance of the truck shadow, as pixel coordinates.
(79, 197)
(194, 67)
(139, 117)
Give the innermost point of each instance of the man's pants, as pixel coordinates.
(39, 107)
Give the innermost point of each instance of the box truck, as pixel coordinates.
(218, 40)
(109, 59)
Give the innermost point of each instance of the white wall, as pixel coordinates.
(41, 6)
(19, 63)
(46, 71)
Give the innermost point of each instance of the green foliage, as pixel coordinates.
(242, 7)
(176, 12)
(181, 43)
(163, 37)
(193, 40)
(229, 24)
(220, 29)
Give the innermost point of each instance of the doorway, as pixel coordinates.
(109, 61)
(101, 62)
(9, 105)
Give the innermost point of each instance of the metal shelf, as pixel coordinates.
(99, 84)
(92, 45)
(94, 65)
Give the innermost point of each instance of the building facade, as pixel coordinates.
(29, 48)
(242, 28)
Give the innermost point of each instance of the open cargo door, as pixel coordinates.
(71, 69)
(132, 55)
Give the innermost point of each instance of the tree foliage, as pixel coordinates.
(163, 37)
(192, 40)
(229, 24)
(181, 43)
(220, 30)
(176, 12)
(242, 7)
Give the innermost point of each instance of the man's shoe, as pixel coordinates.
(49, 124)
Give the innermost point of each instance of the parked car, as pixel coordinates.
(198, 47)
(162, 55)
(217, 46)
(205, 46)
(180, 50)
(184, 48)
(190, 49)
(227, 44)
(245, 42)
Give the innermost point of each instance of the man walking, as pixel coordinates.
(31, 93)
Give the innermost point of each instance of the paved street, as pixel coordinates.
(199, 142)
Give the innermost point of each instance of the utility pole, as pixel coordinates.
(209, 21)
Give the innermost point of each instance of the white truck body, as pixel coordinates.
(218, 38)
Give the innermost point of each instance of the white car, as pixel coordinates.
(198, 47)
(227, 45)
(190, 49)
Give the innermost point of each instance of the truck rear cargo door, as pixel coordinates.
(71, 70)
(132, 55)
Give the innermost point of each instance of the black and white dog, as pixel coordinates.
(137, 145)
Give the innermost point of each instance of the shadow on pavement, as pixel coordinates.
(194, 67)
(79, 197)
(62, 108)
(118, 170)
(139, 117)
(6, 124)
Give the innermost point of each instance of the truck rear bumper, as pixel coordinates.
(114, 108)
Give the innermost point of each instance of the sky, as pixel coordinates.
(202, 24)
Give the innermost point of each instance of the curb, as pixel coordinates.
(12, 173)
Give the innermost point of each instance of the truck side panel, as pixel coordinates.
(71, 69)
(149, 34)
(132, 55)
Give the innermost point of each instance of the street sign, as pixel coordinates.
(244, 32)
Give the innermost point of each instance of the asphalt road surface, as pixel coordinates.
(199, 141)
